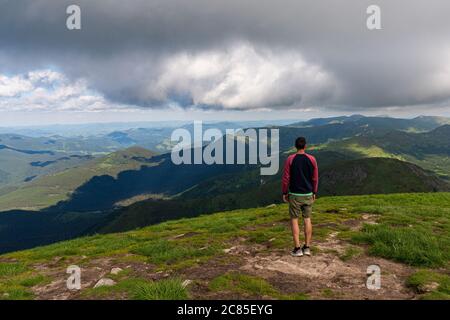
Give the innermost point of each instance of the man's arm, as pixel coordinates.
(286, 176)
(315, 176)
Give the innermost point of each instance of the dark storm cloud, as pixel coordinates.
(238, 54)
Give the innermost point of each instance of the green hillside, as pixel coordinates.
(418, 124)
(378, 175)
(244, 254)
(248, 190)
(52, 188)
(21, 166)
(369, 137)
(429, 150)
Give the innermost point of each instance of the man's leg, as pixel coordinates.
(295, 232)
(308, 231)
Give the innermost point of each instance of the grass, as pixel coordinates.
(164, 251)
(404, 245)
(434, 285)
(33, 281)
(251, 286)
(11, 269)
(140, 289)
(412, 229)
(16, 280)
(171, 289)
(330, 294)
(350, 253)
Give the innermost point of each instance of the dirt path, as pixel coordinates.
(326, 276)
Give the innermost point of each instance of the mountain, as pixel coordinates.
(421, 123)
(244, 254)
(104, 182)
(247, 190)
(164, 191)
(161, 176)
(22, 163)
(378, 175)
(430, 150)
(26, 229)
(48, 190)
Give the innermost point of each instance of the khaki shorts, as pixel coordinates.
(300, 203)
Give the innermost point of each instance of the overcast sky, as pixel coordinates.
(228, 59)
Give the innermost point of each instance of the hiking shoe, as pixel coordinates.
(306, 251)
(297, 252)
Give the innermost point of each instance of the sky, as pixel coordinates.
(221, 60)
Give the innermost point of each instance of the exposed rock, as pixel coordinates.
(229, 249)
(116, 271)
(186, 283)
(428, 287)
(105, 282)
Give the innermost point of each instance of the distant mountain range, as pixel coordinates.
(356, 155)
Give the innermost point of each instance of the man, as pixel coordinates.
(299, 185)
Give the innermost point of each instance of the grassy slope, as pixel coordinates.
(429, 150)
(413, 229)
(16, 166)
(51, 189)
(378, 175)
(227, 192)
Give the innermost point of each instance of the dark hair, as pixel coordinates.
(300, 143)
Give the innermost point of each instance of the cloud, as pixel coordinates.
(242, 77)
(234, 55)
(47, 90)
(12, 86)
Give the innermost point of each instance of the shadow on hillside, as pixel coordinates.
(161, 177)
(91, 206)
(27, 229)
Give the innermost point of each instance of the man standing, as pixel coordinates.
(299, 185)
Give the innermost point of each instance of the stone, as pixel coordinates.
(116, 271)
(428, 287)
(229, 249)
(105, 282)
(186, 283)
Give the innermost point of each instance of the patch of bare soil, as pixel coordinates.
(322, 276)
(325, 276)
(91, 273)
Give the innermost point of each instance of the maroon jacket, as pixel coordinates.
(301, 174)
